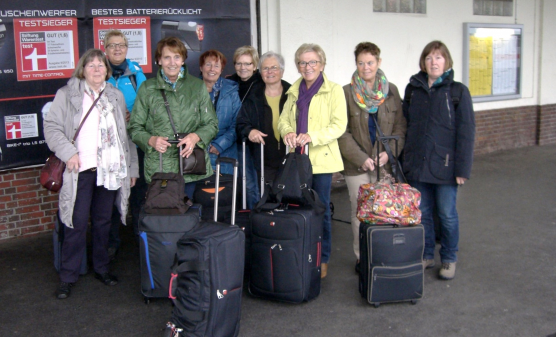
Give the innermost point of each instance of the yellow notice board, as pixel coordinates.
(492, 61)
(480, 65)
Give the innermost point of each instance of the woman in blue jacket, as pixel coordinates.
(438, 152)
(225, 98)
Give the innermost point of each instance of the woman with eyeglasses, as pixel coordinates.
(224, 97)
(368, 94)
(258, 117)
(246, 61)
(127, 76)
(100, 165)
(315, 114)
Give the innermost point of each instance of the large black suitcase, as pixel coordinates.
(285, 253)
(391, 263)
(58, 241)
(158, 235)
(207, 280)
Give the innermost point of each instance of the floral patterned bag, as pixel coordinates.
(386, 203)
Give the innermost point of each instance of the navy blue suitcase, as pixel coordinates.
(207, 278)
(285, 253)
(391, 263)
(158, 235)
(58, 241)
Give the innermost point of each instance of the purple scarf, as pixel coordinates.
(305, 97)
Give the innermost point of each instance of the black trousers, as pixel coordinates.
(96, 202)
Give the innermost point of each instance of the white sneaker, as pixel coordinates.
(448, 271)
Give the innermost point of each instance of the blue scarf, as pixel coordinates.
(441, 78)
(165, 78)
(216, 91)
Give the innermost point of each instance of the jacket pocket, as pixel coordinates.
(442, 162)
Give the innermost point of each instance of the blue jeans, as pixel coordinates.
(445, 198)
(252, 187)
(322, 184)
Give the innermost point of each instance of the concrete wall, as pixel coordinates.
(339, 25)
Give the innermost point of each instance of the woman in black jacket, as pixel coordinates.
(258, 118)
(438, 152)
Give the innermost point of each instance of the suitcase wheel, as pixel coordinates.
(413, 302)
(376, 304)
(147, 300)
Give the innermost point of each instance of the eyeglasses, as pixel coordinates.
(312, 63)
(270, 69)
(116, 46)
(244, 64)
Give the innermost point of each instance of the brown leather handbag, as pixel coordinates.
(52, 173)
(196, 163)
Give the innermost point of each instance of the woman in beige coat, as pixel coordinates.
(101, 164)
(368, 93)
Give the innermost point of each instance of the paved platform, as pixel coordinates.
(504, 284)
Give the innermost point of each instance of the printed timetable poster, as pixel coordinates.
(45, 48)
(41, 42)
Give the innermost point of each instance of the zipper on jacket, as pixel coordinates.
(449, 112)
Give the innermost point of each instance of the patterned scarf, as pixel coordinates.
(215, 91)
(165, 78)
(441, 78)
(111, 163)
(369, 98)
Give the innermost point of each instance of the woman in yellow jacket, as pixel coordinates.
(315, 114)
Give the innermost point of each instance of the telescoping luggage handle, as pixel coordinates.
(217, 192)
(244, 175)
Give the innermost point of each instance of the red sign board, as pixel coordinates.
(45, 48)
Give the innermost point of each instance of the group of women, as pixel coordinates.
(257, 106)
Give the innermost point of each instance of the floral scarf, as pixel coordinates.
(165, 78)
(111, 163)
(369, 98)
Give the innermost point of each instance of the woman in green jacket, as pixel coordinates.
(191, 108)
(315, 115)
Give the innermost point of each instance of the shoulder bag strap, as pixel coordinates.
(167, 105)
(87, 115)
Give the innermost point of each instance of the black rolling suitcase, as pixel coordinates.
(207, 280)
(391, 263)
(158, 234)
(205, 192)
(58, 241)
(286, 248)
(391, 256)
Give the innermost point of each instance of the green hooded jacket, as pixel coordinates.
(192, 111)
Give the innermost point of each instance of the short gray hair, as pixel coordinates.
(89, 56)
(276, 55)
(112, 33)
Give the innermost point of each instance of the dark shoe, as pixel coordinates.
(109, 280)
(357, 267)
(63, 290)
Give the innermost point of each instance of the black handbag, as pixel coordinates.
(195, 163)
(166, 194)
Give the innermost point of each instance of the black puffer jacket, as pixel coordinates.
(255, 113)
(440, 139)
